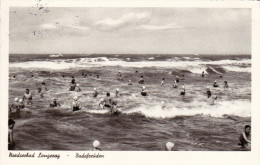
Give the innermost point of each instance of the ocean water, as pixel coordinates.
(146, 123)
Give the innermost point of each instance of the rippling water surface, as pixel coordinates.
(146, 123)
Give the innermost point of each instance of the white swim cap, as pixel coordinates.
(117, 89)
(16, 99)
(207, 87)
(143, 87)
(175, 81)
(183, 87)
(54, 98)
(76, 98)
(96, 144)
(95, 89)
(129, 80)
(77, 85)
(169, 146)
(215, 80)
(21, 100)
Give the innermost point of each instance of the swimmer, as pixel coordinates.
(162, 83)
(15, 108)
(96, 145)
(220, 76)
(95, 93)
(129, 82)
(21, 104)
(141, 80)
(40, 92)
(208, 92)
(54, 103)
(245, 136)
(77, 88)
(101, 103)
(63, 76)
(73, 85)
(114, 106)
(43, 87)
(183, 92)
(202, 74)
(175, 85)
(169, 146)
(75, 104)
(177, 79)
(144, 92)
(11, 124)
(97, 76)
(225, 84)
(182, 77)
(108, 101)
(211, 99)
(117, 94)
(136, 71)
(28, 96)
(215, 84)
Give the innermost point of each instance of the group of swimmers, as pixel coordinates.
(110, 103)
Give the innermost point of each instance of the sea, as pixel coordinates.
(145, 123)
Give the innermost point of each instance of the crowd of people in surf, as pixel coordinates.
(110, 103)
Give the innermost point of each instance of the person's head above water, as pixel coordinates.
(117, 89)
(163, 79)
(11, 123)
(77, 85)
(183, 87)
(169, 146)
(27, 90)
(54, 99)
(75, 98)
(108, 94)
(43, 83)
(96, 144)
(95, 89)
(142, 76)
(21, 100)
(16, 99)
(143, 87)
(225, 82)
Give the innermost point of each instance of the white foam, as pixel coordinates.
(231, 108)
(195, 66)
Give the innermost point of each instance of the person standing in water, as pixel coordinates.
(21, 104)
(77, 88)
(144, 92)
(95, 93)
(202, 74)
(75, 104)
(175, 85)
(225, 84)
(108, 101)
(129, 82)
(245, 136)
(162, 83)
(177, 79)
(43, 87)
(141, 80)
(208, 92)
(117, 94)
(28, 96)
(183, 91)
(15, 108)
(211, 99)
(73, 84)
(11, 124)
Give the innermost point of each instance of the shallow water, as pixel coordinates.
(146, 123)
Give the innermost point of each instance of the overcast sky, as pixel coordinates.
(130, 30)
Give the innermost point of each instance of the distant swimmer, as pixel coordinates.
(108, 101)
(43, 87)
(114, 109)
(169, 146)
(101, 103)
(96, 146)
(215, 84)
(27, 96)
(144, 92)
(136, 71)
(54, 103)
(177, 79)
(182, 77)
(141, 80)
(117, 94)
(175, 85)
(95, 93)
(162, 83)
(75, 104)
(15, 108)
(202, 74)
(97, 76)
(63, 76)
(73, 85)
(211, 99)
(208, 92)
(225, 84)
(129, 82)
(77, 88)
(245, 137)
(12, 77)
(11, 124)
(40, 92)
(21, 104)
(183, 91)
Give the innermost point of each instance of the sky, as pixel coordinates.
(129, 30)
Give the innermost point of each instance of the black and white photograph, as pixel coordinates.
(129, 78)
